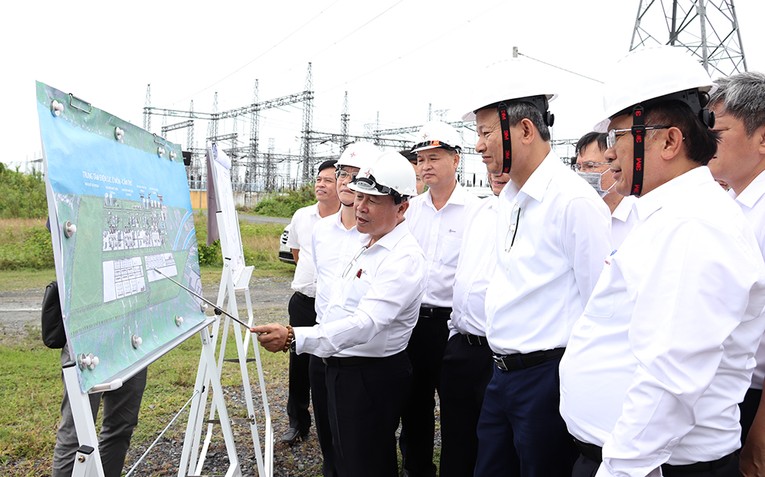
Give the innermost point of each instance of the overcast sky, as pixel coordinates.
(393, 57)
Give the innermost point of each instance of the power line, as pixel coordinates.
(271, 48)
(560, 68)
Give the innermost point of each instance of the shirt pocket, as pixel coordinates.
(355, 289)
(449, 250)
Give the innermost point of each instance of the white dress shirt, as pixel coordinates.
(374, 308)
(301, 231)
(475, 267)
(622, 221)
(664, 350)
(559, 229)
(752, 203)
(333, 248)
(439, 233)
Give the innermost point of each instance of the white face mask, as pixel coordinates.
(595, 179)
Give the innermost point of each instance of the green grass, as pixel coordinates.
(31, 389)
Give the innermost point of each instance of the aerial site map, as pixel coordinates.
(122, 229)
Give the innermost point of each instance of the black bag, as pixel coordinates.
(52, 322)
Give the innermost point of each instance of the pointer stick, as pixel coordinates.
(218, 311)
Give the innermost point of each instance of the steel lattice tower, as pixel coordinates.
(707, 28)
(307, 126)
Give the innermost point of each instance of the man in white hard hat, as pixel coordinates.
(552, 235)
(437, 220)
(367, 323)
(467, 364)
(738, 102)
(335, 240)
(664, 350)
(592, 166)
(301, 306)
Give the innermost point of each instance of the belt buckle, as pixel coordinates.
(500, 362)
(474, 340)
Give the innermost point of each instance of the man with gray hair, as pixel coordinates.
(551, 238)
(739, 107)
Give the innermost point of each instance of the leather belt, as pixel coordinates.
(349, 361)
(595, 453)
(474, 340)
(514, 362)
(357, 360)
(435, 312)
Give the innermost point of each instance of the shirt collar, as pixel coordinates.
(458, 197)
(315, 209)
(753, 192)
(667, 192)
(539, 180)
(393, 237)
(623, 210)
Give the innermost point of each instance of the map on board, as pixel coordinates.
(121, 224)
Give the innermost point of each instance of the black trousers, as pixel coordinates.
(465, 373)
(302, 313)
(520, 431)
(418, 421)
(318, 377)
(365, 401)
(586, 467)
(748, 411)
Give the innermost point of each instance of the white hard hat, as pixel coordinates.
(388, 174)
(651, 73)
(437, 134)
(513, 80)
(358, 154)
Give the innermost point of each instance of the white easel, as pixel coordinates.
(192, 453)
(87, 461)
(232, 281)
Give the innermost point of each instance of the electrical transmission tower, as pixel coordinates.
(707, 28)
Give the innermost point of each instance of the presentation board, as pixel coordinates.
(123, 231)
(228, 222)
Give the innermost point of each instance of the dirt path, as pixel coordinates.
(20, 309)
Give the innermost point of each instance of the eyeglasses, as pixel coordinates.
(341, 174)
(613, 134)
(354, 260)
(512, 231)
(589, 165)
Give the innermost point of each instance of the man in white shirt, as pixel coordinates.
(467, 364)
(301, 307)
(335, 240)
(551, 237)
(739, 106)
(664, 349)
(363, 333)
(437, 220)
(592, 166)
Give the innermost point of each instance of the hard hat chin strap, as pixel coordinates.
(638, 140)
(507, 148)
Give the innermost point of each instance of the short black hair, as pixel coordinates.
(588, 139)
(326, 165)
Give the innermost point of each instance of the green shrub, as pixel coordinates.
(210, 254)
(284, 204)
(23, 194)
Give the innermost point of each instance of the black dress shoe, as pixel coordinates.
(294, 435)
